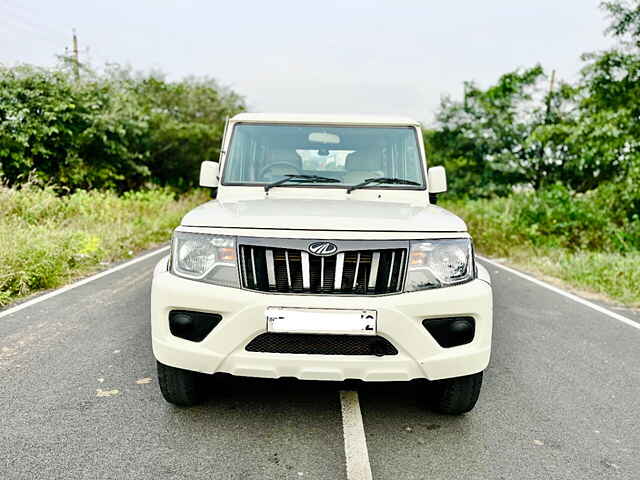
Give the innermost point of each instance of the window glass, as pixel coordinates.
(262, 154)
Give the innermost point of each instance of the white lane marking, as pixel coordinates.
(564, 293)
(79, 283)
(355, 443)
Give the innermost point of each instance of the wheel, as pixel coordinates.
(181, 387)
(454, 396)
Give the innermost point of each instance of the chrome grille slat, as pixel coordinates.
(276, 267)
(393, 257)
(253, 268)
(306, 278)
(243, 267)
(373, 273)
(271, 268)
(337, 281)
(355, 275)
(286, 259)
(398, 279)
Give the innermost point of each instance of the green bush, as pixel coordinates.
(47, 239)
(553, 217)
(532, 130)
(587, 239)
(614, 275)
(108, 131)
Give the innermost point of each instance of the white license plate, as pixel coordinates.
(321, 320)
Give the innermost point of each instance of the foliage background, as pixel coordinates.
(48, 239)
(547, 173)
(533, 131)
(114, 130)
(96, 168)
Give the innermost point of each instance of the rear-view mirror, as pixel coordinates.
(209, 174)
(323, 137)
(437, 180)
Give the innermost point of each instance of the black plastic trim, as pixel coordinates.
(321, 344)
(201, 324)
(440, 330)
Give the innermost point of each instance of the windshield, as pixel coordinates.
(343, 156)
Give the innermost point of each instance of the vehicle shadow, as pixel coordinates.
(406, 398)
(223, 387)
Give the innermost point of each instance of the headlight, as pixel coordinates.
(204, 257)
(439, 263)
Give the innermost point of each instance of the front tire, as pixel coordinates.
(455, 396)
(183, 388)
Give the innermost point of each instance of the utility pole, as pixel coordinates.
(464, 86)
(76, 60)
(551, 82)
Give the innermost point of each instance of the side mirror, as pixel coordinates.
(437, 182)
(209, 174)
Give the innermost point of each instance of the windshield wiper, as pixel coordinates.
(396, 181)
(300, 178)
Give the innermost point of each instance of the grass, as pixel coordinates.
(47, 240)
(593, 257)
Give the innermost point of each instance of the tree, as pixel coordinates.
(186, 125)
(607, 137)
(510, 133)
(523, 131)
(116, 130)
(76, 135)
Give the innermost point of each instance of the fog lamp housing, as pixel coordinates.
(452, 331)
(193, 326)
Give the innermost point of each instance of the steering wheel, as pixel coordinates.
(266, 168)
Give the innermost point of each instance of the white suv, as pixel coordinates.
(323, 257)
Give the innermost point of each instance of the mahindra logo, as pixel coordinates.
(323, 249)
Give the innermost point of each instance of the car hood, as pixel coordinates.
(341, 215)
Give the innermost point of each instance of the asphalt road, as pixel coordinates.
(79, 399)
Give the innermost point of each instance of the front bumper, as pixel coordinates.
(400, 319)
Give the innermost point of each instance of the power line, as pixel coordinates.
(17, 19)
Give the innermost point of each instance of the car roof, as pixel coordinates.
(324, 118)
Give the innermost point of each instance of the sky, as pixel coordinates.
(350, 56)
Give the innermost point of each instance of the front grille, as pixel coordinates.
(312, 344)
(281, 269)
